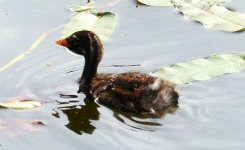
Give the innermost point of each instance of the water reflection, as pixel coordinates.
(80, 117)
(139, 121)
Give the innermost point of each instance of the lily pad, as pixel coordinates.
(27, 104)
(211, 15)
(202, 69)
(101, 23)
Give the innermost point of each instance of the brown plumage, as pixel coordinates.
(132, 91)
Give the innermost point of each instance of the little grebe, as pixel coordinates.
(132, 91)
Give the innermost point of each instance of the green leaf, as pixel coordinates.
(101, 23)
(156, 2)
(202, 69)
(27, 104)
(211, 16)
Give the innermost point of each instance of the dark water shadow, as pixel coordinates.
(144, 119)
(80, 117)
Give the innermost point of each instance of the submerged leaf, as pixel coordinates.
(28, 104)
(202, 69)
(211, 15)
(156, 2)
(100, 23)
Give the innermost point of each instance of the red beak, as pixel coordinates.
(63, 42)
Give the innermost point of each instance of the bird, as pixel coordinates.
(129, 91)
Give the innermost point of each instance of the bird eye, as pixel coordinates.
(72, 39)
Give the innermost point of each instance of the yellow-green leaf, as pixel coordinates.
(211, 15)
(202, 69)
(28, 104)
(101, 23)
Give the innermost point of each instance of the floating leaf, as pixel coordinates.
(27, 104)
(28, 51)
(211, 15)
(156, 2)
(202, 69)
(100, 23)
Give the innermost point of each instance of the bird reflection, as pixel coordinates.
(80, 118)
(134, 120)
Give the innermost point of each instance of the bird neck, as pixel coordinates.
(92, 59)
(89, 72)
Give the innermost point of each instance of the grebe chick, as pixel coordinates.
(131, 91)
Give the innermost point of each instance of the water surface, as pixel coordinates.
(209, 114)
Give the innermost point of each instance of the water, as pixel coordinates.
(209, 114)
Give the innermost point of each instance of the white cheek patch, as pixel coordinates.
(155, 85)
(74, 36)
